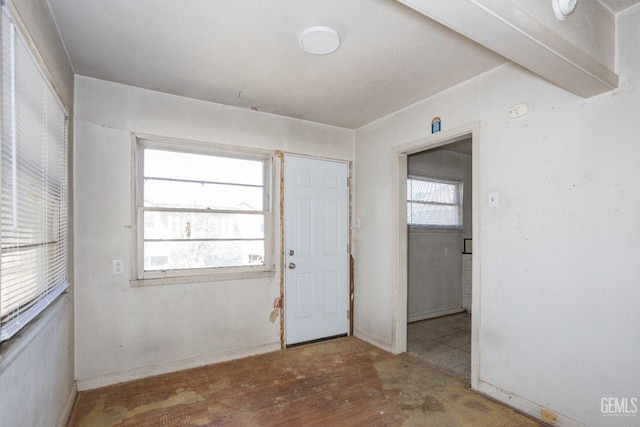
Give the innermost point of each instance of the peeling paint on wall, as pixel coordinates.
(276, 310)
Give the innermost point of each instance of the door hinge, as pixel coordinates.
(348, 315)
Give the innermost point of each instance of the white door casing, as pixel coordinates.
(316, 249)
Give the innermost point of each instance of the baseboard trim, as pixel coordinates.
(373, 340)
(432, 314)
(179, 365)
(68, 407)
(524, 405)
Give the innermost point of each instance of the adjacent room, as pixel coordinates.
(440, 248)
(412, 211)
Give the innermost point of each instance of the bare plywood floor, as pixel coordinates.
(343, 382)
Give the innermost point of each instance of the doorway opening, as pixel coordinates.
(439, 213)
(438, 262)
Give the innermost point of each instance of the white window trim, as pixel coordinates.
(141, 278)
(459, 182)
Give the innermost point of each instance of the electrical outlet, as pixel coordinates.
(118, 266)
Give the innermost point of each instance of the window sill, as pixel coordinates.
(427, 229)
(202, 279)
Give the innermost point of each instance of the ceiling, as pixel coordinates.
(246, 53)
(619, 5)
(462, 147)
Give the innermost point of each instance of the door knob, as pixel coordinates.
(292, 265)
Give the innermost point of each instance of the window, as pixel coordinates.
(434, 202)
(203, 210)
(33, 207)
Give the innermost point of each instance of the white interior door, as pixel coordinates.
(316, 249)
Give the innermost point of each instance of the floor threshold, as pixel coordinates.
(298, 344)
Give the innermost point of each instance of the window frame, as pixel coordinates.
(140, 277)
(458, 182)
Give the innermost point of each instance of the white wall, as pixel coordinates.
(36, 370)
(558, 309)
(434, 255)
(36, 366)
(125, 332)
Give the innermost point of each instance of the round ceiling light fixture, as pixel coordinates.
(563, 8)
(319, 40)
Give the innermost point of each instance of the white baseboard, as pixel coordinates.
(68, 407)
(432, 314)
(524, 405)
(373, 340)
(179, 365)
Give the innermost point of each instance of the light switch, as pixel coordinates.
(493, 200)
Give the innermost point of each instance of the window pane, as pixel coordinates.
(22, 277)
(33, 228)
(185, 255)
(425, 214)
(172, 194)
(432, 191)
(193, 225)
(434, 202)
(201, 167)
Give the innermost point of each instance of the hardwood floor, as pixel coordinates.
(342, 382)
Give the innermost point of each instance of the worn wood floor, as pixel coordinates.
(342, 382)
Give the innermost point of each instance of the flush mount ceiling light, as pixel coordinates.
(319, 40)
(563, 8)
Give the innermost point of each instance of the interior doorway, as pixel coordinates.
(402, 320)
(439, 213)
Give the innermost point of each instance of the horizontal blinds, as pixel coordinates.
(34, 240)
(434, 202)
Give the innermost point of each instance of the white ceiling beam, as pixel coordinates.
(511, 32)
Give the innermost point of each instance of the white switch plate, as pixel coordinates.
(118, 266)
(493, 200)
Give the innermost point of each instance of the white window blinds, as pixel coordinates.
(34, 261)
(434, 202)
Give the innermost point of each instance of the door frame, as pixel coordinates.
(400, 153)
(281, 301)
